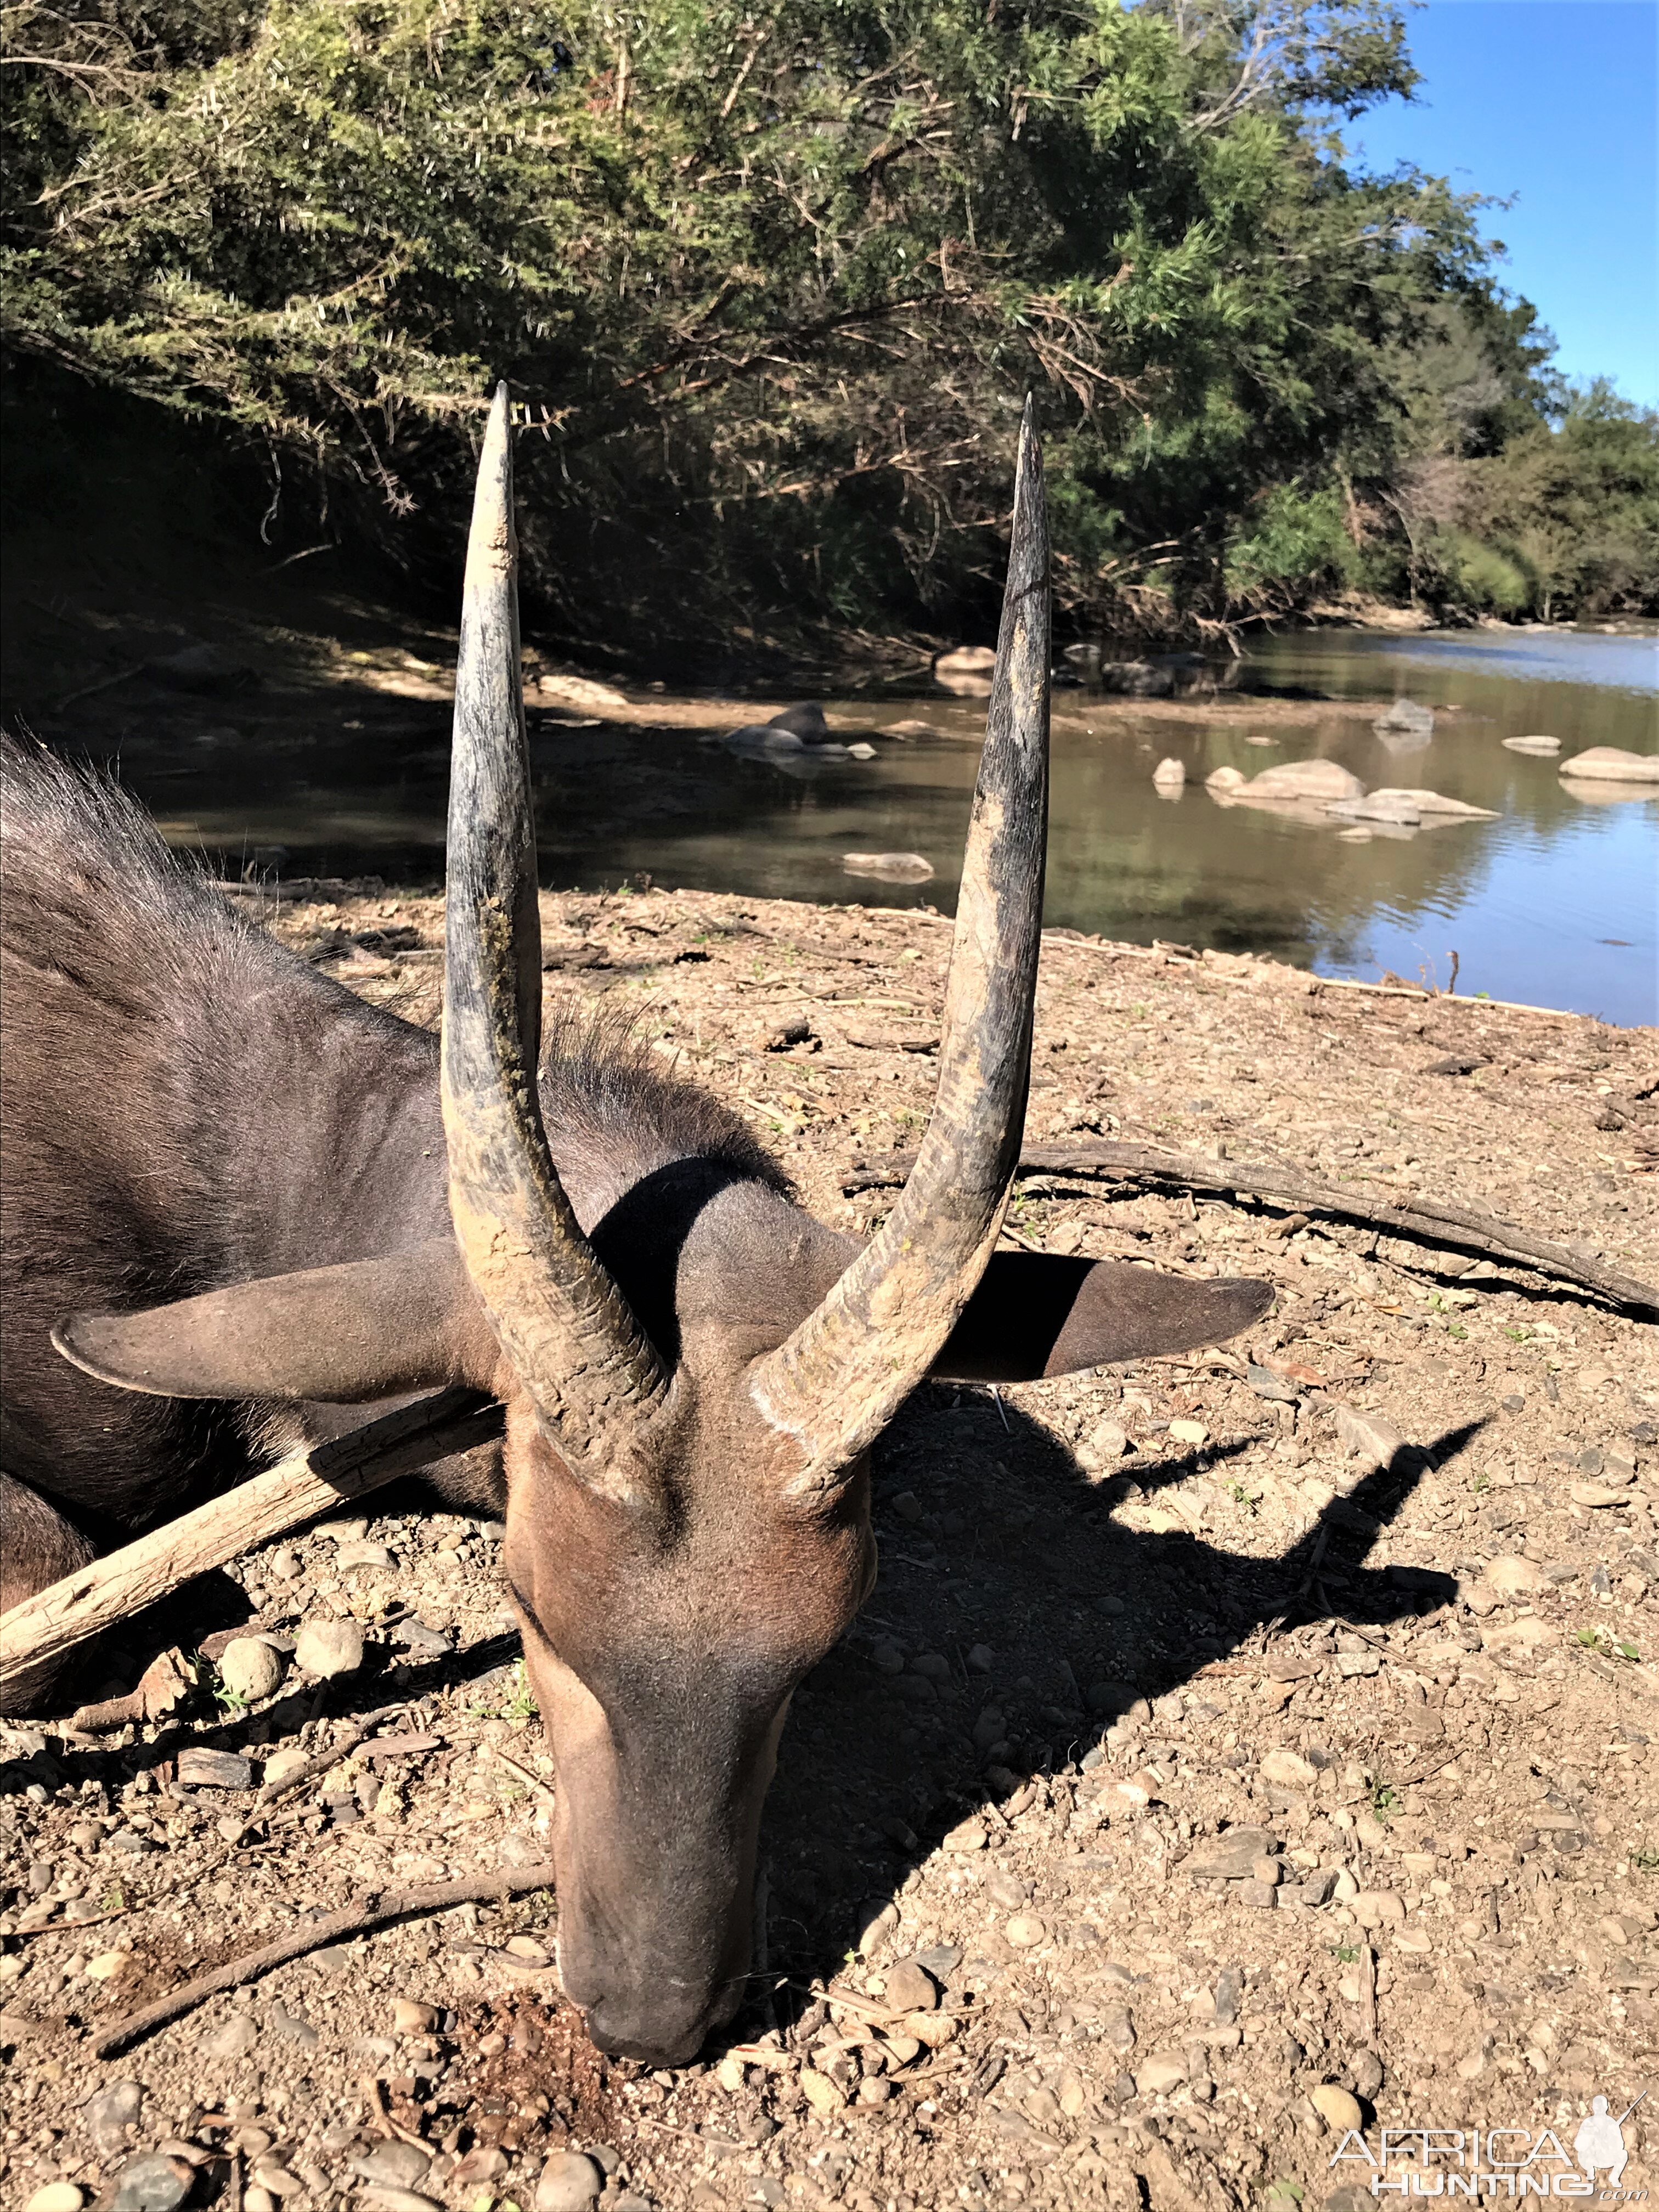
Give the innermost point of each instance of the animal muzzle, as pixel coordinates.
(655, 1974)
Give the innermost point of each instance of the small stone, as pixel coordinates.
(149, 2183)
(410, 2018)
(874, 2089)
(416, 1636)
(1268, 1871)
(823, 2095)
(1025, 1932)
(1189, 1432)
(935, 2029)
(966, 1836)
(1156, 2076)
(277, 2180)
(107, 1965)
(364, 1555)
(215, 1769)
(1377, 1908)
(328, 1647)
(378, 2197)
(284, 1563)
(569, 2183)
(1337, 2108)
(911, 1987)
(1594, 1497)
(489, 2162)
(1289, 1769)
(981, 1659)
(257, 2198)
(111, 2112)
(282, 1764)
(1540, 745)
(292, 2027)
(1260, 1896)
(1374, 1438)
(730, 2075)
(527, 1948)
(233, 2040)
(56, 2196)
(249, 1669)
(1511, 1573)
(1367, 2073)
(130, 1840)
(394, 2165)
(1231, 1857)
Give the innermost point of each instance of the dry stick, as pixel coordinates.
(1458, 1229)
(112, 1589)
(368, 1913)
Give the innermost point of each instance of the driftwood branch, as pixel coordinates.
(359, 1918)
(114, 1587)
(1455, 1228)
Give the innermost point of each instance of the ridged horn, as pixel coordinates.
(572, 1340)
(838, 1380)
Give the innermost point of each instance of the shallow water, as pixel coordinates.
(1554, 902)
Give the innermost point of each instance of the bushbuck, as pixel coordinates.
(238, 1201)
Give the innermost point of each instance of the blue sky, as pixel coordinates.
(1555, 103)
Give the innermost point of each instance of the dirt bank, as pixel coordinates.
(1195, 1755)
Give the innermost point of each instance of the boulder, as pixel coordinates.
(1137, 679)
(580, 691)
(1381, 806)
(1307, 779)
(797, 729)
(1224, 780)
(1540, 745)
(1170, 774)
(968, 660)
(893, 867)
(1405, 718)
(1612, 764)
(1435, 803)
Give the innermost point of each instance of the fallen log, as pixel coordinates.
(359, 1918)
(1453, 1228)
(298, 1489)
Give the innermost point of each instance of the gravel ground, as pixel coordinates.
(1236, 1749)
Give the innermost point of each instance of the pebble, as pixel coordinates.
(911, 1987)
(363, 1555)
(1154, 2076)
(1189, 1432)
(1263, 1896)
(281, 1764)
(233, 2040)
(966, 1836)
(1377, 1908)
(410, 2018)
(249, 1669)
(56, 2196)
(393, 2165)
(874, 2089)
(1367, 2072)
(569, 2183)
(257, 2198)
(292, 2027)
(215, 1769)
(1337, 2108)
(384, 2199)
(149, 2183)
(111, 2113)
(416, 1636)
(1231, 1855)
(128, 1839)
(1592, 1495)
(823, 2094)
(107, 1965)
(328, 1648)
(1289, 1769)
(1511, 1572)
(1025, 1932)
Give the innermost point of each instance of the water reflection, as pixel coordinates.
(1553, 903)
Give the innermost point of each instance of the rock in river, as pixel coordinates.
(1612, 764)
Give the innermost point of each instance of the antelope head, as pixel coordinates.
(692, 1368)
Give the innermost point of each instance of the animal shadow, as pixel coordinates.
(991, 1534)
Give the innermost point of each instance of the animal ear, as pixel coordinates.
(1037, 1313)
(347, 1335)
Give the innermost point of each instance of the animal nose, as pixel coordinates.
(651, 2027)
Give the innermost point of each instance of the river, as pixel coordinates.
(1555, 902)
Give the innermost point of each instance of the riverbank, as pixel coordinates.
(1220, 1779)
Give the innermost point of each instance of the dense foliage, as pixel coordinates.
(772, 277)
